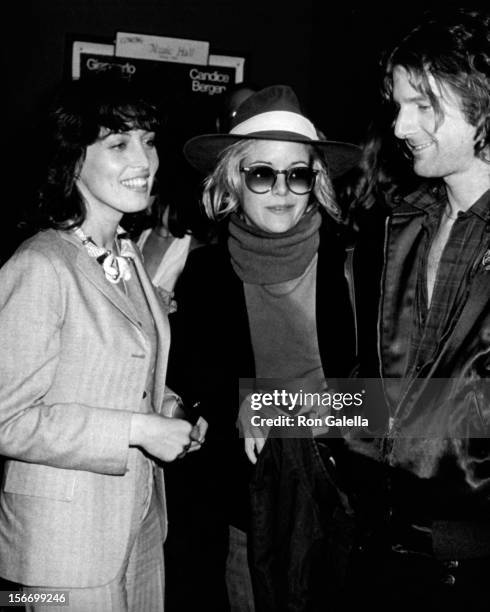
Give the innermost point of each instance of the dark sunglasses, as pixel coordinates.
(261, 179)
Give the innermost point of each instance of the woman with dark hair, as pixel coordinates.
(84, 413)
(269, 303)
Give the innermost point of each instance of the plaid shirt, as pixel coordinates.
(459, 261)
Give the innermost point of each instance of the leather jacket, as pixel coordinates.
(440, 416)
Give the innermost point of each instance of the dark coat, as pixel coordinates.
(210, 350)
(211, 347)
(211, 335)
(440, 429)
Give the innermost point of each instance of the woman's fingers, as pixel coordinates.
(259, 444)
(250, 450)
(254, 443)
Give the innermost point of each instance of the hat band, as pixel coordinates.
(281, 121)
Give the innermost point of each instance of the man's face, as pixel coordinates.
(445, 150)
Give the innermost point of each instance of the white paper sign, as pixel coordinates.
(228, 60)
(160, 48)
(80, 46)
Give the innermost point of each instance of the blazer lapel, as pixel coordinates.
(94, 273)
(163, 331)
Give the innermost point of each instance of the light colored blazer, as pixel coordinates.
(73, 367)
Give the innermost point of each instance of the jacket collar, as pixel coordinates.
(429, 197)
(94, 273)
(482, 207)
(423, 200)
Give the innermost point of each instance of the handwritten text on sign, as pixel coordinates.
(162, 49)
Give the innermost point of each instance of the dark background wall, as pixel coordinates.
(275, 39)
(321, 48)
(327, 51)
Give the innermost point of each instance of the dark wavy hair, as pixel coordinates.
(79, 112)
(454, 48)
(381, 177)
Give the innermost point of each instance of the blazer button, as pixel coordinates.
(144, 394)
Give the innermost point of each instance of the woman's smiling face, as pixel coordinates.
(279, 209)
(118, 172)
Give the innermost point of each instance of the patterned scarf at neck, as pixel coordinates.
(116, 267)
(264, 258)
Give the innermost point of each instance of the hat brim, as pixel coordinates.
(203, 152)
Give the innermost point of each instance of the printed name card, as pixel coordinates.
(162, 49)
(80, 46)
(229, 60)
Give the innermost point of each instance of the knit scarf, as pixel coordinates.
(264, 258)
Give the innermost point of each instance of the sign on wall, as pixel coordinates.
(81, 46)
(228, 60)
(161, 48)
(192, 93)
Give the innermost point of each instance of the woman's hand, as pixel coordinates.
(162, 437)
(198, 435)
(254, 444)
(254, 436)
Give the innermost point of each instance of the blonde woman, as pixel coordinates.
(270, 302)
